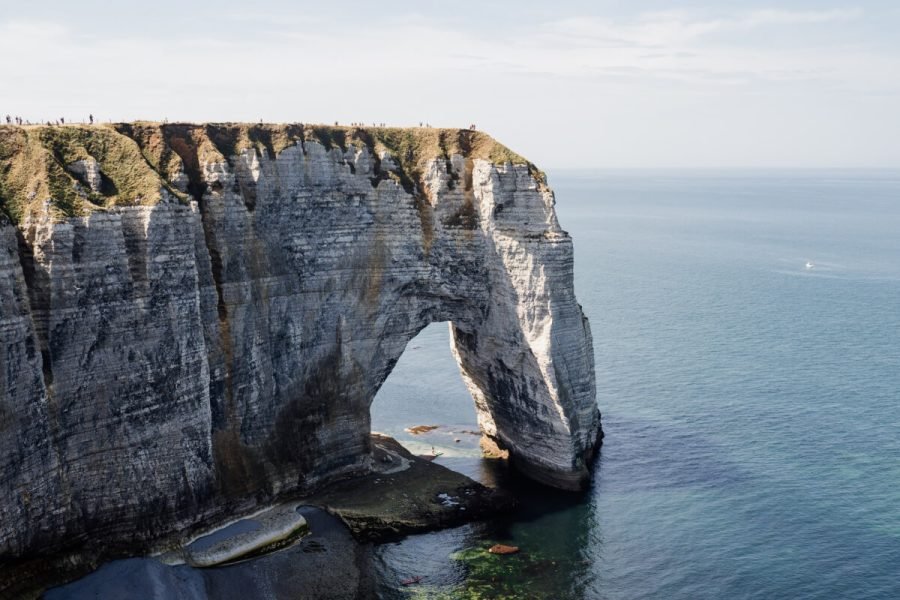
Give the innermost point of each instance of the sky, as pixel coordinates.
(567, 83)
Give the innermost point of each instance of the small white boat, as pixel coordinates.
(809, 265)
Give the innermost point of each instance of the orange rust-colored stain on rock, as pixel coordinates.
(490, 448)
(426, 219)
(238, 473)
(374, 270)
(503, 549)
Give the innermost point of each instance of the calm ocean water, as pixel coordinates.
(751, 404)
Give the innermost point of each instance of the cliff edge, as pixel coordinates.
(194, 319)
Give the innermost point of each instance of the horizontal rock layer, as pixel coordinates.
(195, 319)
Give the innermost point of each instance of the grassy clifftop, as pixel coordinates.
(139, 162)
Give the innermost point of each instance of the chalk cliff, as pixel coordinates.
(195, 319)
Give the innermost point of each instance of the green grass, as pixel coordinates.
(33, 170)
(139, 160)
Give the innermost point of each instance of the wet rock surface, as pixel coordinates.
(422, 496)
(251, 535)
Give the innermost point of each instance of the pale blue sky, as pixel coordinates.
(565, 82)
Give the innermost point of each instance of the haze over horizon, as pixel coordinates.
(574, 84)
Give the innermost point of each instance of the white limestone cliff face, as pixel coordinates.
(529, 363)
(167, 364)
(88, 170)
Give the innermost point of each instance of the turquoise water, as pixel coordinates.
(751, 404)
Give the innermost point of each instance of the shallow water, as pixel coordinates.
(751, 404)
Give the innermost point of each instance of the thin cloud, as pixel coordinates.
(280, 20)
(657, 45)
(798, 17)
(670, 28)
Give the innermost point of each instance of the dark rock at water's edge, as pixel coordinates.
(194, 319)
(327, 564)
(407, 495)
(403, 494)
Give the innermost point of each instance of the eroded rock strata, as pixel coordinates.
(196, 318)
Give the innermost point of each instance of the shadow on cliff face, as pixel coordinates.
(295, 449)
(325, 401)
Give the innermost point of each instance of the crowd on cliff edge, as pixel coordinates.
(17, 120)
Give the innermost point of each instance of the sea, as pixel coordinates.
(746, 329)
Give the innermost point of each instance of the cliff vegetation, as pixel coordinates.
(144, 163)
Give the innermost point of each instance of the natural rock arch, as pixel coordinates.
(168, 361)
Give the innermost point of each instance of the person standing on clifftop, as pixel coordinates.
(91, 119)
(8, 120)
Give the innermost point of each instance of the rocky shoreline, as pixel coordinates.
(419, 496)
(402, 494)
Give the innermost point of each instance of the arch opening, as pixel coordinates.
(425, 389)
(487, 397)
